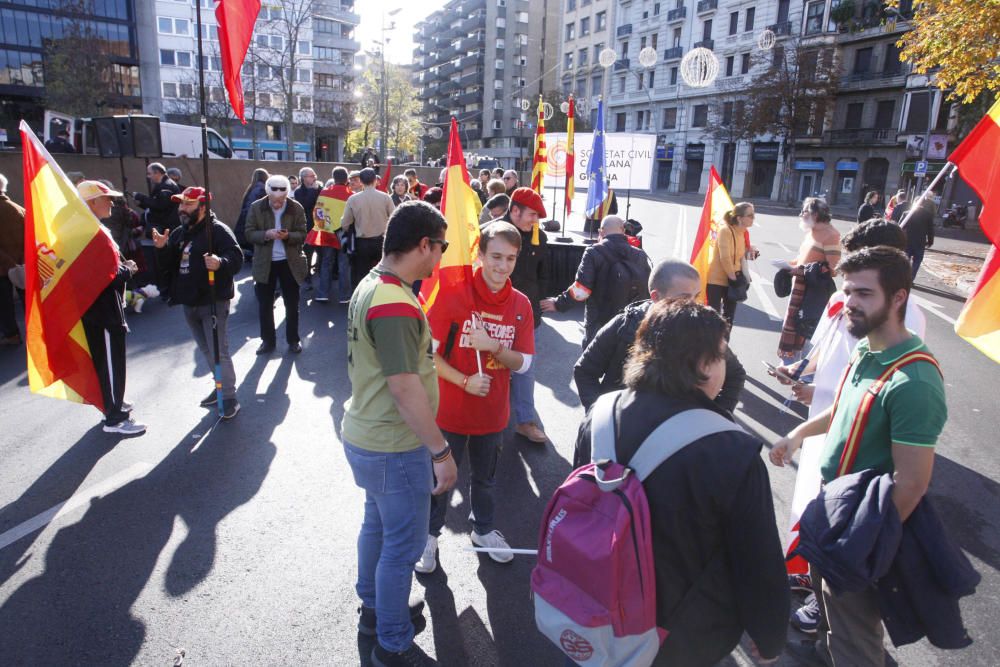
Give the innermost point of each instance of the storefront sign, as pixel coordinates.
(810, 165)
(847, 165)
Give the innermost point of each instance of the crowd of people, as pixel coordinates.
(429, 390)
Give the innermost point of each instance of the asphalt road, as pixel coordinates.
(235, 542)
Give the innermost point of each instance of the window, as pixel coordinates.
(653, 40)
(652, 77)
(640, 117)
(852, 120)
(863, 60)
(498, 84)
(748, 23)
(883, 114)
(656, 9)
(303, 75)
(642, 79)
(584, 26)
(624, 50)
(727, 114)
(304, 47)
(304, 102)
(778, 55)
(892, 64)
(210, 32)
(619, 122)
(327, 54)
(621, 84)
(263, 72)
(167, 57)
(171, 26)
(596, 84)
(211, 63)
(522, 17)
(522, 39)
(570, 5)
(734, 20)
(676, 38)
(498, 125)
(745, 63)
(498, 104)
(597, 51)
(185, 91)
(568, 61)
(498, 63)
(570, 31)
(326, 27)
(642, 43)
(501, 22)
(670, 118)
(814, 16)
(581, 57)
(600, 21)
(275, 42)
(673, 76)
(264, 100)
(918, 114)
(500, 44)
(170, 90)
(730, 60)
(706, 30)
(700, 117)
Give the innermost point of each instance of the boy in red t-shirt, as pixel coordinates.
(475, 406)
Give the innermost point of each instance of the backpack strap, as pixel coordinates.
(602, 427)
(853, 443)
(674, 434)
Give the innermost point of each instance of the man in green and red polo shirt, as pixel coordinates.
(905, 418)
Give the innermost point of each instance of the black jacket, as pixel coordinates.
(852, 535)
(712, 527)
(599, 368)
(919, 229)
(108, 311)
(190, 288)
(819, 288)
(867, 212)
(307, 197)
(161, 213)
(531, 273)
(608, 294)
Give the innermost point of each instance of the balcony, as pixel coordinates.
(783, 29)
(469, 61)
(675, 53)
(448, 87)
(470, 98)
(472, 43)
(474, 79)
(624, 30)
(678, 14)
(707, 6)
(892, 78)
(869, 137)
(622, 64)
(447, 69)
(705, 43)
(473, 5)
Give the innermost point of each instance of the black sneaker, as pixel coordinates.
(210, 400)
(230, 407)
(366, 624)
(411, 657)
(805, 653)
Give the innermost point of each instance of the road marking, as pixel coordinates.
(932, 308)
(679, 232)
(113, 483)
(784, 247)
(758, 289)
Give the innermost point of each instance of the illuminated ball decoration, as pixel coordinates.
(525, 104)
(699, 67)
(435, 132)
(607, 57)
(547, 110)
(564, 107)
(647, 57)
(766, 40)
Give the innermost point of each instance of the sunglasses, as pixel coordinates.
(508, 178)
(441, 242)
(277, 189)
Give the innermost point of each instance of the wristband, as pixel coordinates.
(442, 455)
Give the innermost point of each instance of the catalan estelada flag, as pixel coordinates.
(451, 282)
(541, 154)
(978, 162)
(329, 210)
(68, 261)
(717, 202)
(570, 155)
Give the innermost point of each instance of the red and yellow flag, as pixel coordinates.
(570, 156)
(977, 161)
(68, 261)
(328, 212)
(717, 202)
(451, 282)
(385, 181)
(541, 155)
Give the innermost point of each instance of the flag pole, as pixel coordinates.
(216, 364)
(945, 171)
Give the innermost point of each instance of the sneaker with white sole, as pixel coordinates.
(806, 618)
(230, 407)
(493, 540)
(428, 560)
(800, 582)
(126, 427)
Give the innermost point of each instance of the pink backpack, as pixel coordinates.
(594, 585)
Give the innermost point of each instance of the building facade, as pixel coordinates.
(870, 138)
(587, 29)
(485, 62)
(28, 28)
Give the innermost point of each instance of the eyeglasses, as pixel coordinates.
(277, 189)
(508, 178)
(441, 242)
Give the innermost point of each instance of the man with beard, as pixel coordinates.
(186, 261)
(903, 424)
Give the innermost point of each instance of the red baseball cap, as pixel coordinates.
(529, 198)
(191, 194)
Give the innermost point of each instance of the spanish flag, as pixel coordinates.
(717, 202)
(570, 155)
(69, 260)
(329, 210)
(541, 155)
(977, 161)
(451, 282)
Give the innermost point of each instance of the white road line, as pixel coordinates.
(932, 308)
(757, 284)
(133, 472)
(785, 248)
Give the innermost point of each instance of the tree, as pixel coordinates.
(791, 97)
(77, 66)
(957, 41)
(399, 130)
(734, 122)
(218, 111)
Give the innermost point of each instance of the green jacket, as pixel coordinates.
(259, 220)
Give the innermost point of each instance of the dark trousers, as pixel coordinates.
(718, 300)
(309, 251)
(484, 452)
(367, 254)
(152, 273)
(280, 274)
(916, 254)
(8, 318)
(107, 349)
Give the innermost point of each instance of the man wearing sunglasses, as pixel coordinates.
(510, 181)
(276, 225)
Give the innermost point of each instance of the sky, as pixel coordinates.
(401, 38)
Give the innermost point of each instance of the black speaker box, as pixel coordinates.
(108, 142)
(119, 136)
(146, 137)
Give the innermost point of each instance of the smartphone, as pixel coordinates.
(774, 369)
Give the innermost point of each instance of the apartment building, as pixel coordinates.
(586, 30)
(485, 62)
(871, 138)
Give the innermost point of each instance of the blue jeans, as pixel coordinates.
(344, 287)
(484, 452)
(393, 534)
(522, 396)
(325, 255)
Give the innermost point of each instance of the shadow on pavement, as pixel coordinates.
(969, 503)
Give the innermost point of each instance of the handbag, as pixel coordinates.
(737, 288)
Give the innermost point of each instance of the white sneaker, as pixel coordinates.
(138, 303)
(493, 540)
(428, 560)
(126, 427)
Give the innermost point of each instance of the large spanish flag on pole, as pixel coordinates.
(68, 261)
(717, 202)
(541, 155)
(978, 162)
(451, 282)
(570, 155)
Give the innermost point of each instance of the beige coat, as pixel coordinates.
(369, 212)
(259, 220)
